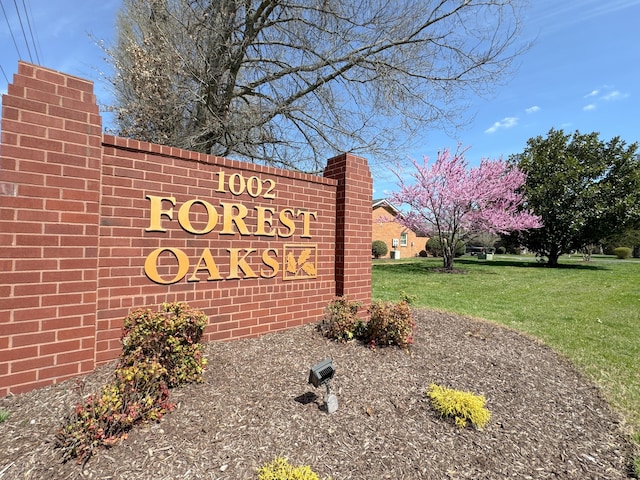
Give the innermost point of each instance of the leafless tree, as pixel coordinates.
(291, 82)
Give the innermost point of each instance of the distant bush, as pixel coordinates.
(462, 406)
(501, 250)
(622, 252)
(434, 247)
(379, 248)
(390, 324)
(281, 469)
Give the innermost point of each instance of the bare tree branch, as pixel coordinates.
(291, 83)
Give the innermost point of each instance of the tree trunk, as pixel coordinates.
(553, 259)
(447, 257)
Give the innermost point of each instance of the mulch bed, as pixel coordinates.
(548, 420)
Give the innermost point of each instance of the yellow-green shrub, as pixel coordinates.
(281, 469)
(171, 337)
(462, 406)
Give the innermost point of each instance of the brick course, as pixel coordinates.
(76, 235)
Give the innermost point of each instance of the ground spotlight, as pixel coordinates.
(320, 374)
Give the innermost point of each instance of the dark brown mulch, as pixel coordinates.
(548, 421)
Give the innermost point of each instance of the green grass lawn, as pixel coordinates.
(590, 312)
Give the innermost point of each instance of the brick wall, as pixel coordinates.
(93, 226)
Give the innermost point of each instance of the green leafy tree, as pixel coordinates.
(284, 82)
(583, 188)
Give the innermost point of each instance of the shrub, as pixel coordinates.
(379, 248)
(462, 406)
(280, 469)
(4, 414)
(390, 324)
(171, 337)
(409, 298)
(159, 350)
(434, 247)
(340, 320)
(501, 250)
(139, 394)
(622, 252)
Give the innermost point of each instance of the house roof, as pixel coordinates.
(384, 203)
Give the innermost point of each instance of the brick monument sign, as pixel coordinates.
(93, 226)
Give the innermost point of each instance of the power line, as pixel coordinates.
(24, 34)
(10, 29)
(4, 74)
(33, 42)
(32, 34)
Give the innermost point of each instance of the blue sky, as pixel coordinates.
(581, 73)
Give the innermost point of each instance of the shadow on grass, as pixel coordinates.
(501, 262)
(422, 265)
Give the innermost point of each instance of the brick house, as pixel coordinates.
(404, 241)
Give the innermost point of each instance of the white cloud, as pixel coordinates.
(604, 94)
(506, 122)
(615, 95)
(533, 109)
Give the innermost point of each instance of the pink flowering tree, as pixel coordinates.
(453, 202)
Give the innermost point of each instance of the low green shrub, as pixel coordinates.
(390, 324)
(409, 298)
(340, 321)
(379, 248)
(622, 252)
(462, 406)
(4, 414)
(281, 469)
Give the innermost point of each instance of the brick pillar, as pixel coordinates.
(353, 226)
(50, 160)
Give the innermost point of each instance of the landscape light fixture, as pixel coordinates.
(320, 374)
